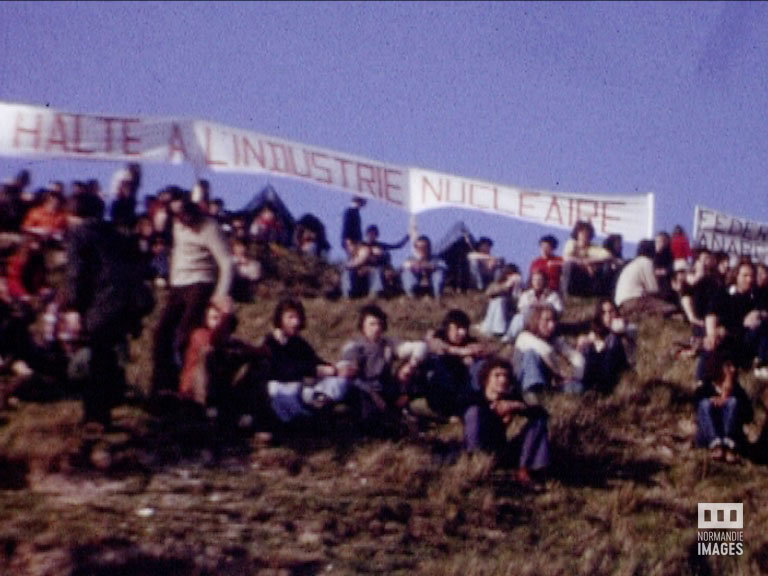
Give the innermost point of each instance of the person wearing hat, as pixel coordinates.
(548, 262)
(351, 227)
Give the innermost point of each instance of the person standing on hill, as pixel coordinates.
(201, 272)
(351, 225)
(97, 301)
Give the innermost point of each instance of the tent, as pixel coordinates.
(269, 197)
(453, 248)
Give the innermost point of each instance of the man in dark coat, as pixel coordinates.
(98, 302)
(351, 227)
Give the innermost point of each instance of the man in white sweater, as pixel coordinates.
(200, 272)
(637, 290)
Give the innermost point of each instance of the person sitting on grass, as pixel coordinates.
(722, 406)
(537, 293)
(608, 347)
(543, 359)
(422, 272)
(503, 296)
(483, 267)
(486, 422)
(455, 358)
(299, 382)
(372, 355)
(587, 268)
(193, 379)
(222, 374)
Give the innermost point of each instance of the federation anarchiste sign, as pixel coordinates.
(35, 131)
(718, 231)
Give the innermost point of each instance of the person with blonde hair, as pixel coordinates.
(543, 359)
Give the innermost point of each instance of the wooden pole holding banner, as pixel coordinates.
(651, 201)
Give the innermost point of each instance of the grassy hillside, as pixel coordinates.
(146, 499)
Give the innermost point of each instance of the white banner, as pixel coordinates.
(718, 231)
(630, 216)
(42, 132)
(35, 131)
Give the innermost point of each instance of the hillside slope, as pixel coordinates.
(147, 499)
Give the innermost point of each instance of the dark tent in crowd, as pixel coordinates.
(453, 248)
(285, 222)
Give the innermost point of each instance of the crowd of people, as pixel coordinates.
(81, 269)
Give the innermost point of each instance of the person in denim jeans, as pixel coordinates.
(543, 360)
(422, 271)
(487, 419)
(722, 407)
(298, 380)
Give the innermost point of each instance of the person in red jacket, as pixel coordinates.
(679, 245)
(548, 262)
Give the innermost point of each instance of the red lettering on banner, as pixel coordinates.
(36, 131)
(57, 135)
(581, 202)
(391, 186)
(343, 164)
(274, 146)
(324, 169)
(554, 206)
(77, 137)
(523, 206)
(605, 217)
(128, 139)
(208, 155)
(257, 155)
(368, 181)
(293, 168)
(176, 143)
(107, 132)
(436, 193)
(570, 212)
(236, 150)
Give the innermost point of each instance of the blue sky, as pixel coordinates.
(604, 98)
